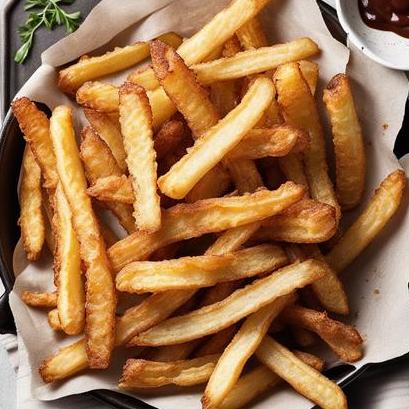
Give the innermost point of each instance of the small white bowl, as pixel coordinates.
(384, 47)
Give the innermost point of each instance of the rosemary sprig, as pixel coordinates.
(46, 13)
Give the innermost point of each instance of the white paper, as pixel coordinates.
(380, 94)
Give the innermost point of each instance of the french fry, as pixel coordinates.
(348, 141)
(310, 72)
(136, 126)
(169, 136)
(251, 34)
(68, 361)
(244, 344)
(343, 339)
(215, 317)
(292, 167)
(259, 380)
(104, 97)
(254, 61)
(151, 311)
(216, 32)
(110, 133)
(295, 97)
(307, 221)
(217, 343)
(199, 271)
(31, 221)
(279, 140)
(182, 88)
(39, 300)
(192, 101)
(99, 162)
(329, 289)
(170, 353)
(224, 96)
(91, 68)
(67, 269)
(304, 379)
(100, 290)
(138, 373)
(36, 131)
(219, 29)
(113, 189)
(211, 215)
(214, 183)
(145, 77)
(369, 224)
(225, 135)
(54, 320)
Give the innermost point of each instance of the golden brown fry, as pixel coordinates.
(292, 167)
(54, 320)
(100, 290)
(225, 135)
(104, 97)
(39, 300)
(329, 289)
(91, 68)
(214, 183)
(343, 339)
(182, 88)
(259, 380)
(136, 125)
(348, 141)
(224, 96)
(66, 362)
(307, 221)
(36, 131)
(110, 133)
(372, 220)
(245, 342)
(300, 110)
(211, 215)
(310, 72)
(279, 140)
(251, 34)
(169, 136)
(99, 96)
(170, 353)
(217, 343)
(113, 189)
(199, 271)
(138, 373)
(254, 61)
(67, 269)
(100, 163)
(31, 221)
(304, 379)
(145, 77)
(219, 29)
(215, 317)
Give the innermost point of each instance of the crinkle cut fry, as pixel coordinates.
(100, 290)
(211, 215)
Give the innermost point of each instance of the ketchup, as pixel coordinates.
(387, 15)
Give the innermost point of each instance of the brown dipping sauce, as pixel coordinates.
(387, 15)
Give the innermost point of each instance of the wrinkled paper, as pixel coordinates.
(377, 283)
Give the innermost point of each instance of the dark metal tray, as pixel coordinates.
(11, 150)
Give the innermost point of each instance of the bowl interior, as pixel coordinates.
(385, 47)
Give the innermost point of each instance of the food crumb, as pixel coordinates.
(376, 291)
(385, 126)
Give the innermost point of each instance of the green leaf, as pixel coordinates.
(45, 13)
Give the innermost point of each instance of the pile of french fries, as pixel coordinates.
(213, 160)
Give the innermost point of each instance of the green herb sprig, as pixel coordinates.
(46, 13)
